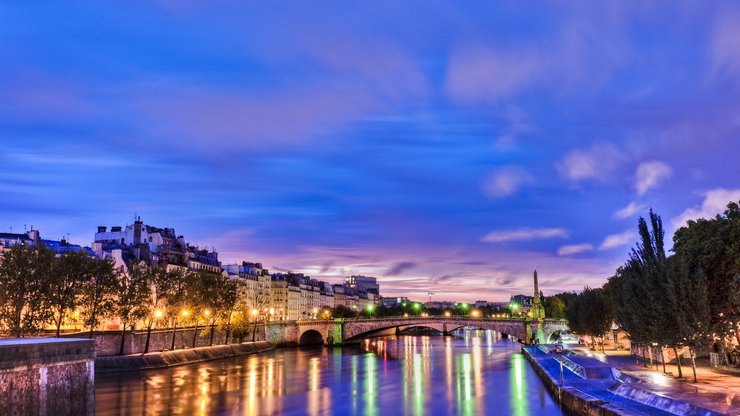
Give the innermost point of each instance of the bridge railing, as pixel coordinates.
(424, 318)
(434, 318)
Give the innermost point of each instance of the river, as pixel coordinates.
(475, 373)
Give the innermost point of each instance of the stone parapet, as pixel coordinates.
(47, 376)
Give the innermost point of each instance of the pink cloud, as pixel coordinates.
(505, 182)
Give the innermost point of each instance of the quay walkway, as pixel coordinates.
(593, 387)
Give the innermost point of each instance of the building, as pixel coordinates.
(393, 302)
(280, 297)
(363, 284)
(294, 302)
(254, 287)
(340, 297)
(154, 245)
(525, 302)
(33, 238)
(327, 295)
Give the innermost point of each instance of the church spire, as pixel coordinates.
(536, 289)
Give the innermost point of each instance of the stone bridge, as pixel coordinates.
(344, 331)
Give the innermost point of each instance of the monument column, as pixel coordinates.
(538, 312)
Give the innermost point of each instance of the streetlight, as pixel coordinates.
(475, 313)
(158, 314)
(207, 312)
(447, 314)
(185, 313)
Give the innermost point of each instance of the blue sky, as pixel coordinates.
(446, 147)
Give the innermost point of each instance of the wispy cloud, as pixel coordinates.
(399, 268)
(480, 74)
(631, 209)
(617, 240)
(506, 181)
(651, 174)
(524, 234)
(569, 250)
(715, 202)
(597, 162)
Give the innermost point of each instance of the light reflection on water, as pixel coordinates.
(478, 373)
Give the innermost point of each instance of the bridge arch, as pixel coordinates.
(311, 337)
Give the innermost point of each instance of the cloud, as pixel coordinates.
(484, 75)
(631, 209)
(399, 268)
(617, 240)
(725, 46)
(524, 234)
(715, 202)
(504, 281)
(574, 249)
(506, 181)
(650, 175)
(597, 162)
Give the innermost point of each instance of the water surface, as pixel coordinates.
(474, 374)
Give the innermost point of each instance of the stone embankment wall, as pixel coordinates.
(47, 376)
(108, 343)
(573, 399)
(178, 357)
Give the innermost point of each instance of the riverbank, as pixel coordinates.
(714, 390)
(165, 359)
(591, 387)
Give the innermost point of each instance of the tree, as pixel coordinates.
(254, 301)
(589, 314)
(162, 285)
(97, 293)
(219, 297)
(68, 275)
(183, 281)
(689, 297)
(341, 311)
(132, 297)
(714, 247)
(641, 288)
(24, 294)
(554, 307)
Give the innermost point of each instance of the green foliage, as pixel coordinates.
(555, 305)
(639, 289)
(24, 293)
(132, 295)
(589, 314)
(342, 311)
(713, 246)
(97, 293)
(69, 274)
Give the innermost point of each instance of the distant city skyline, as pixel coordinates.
(442, 147)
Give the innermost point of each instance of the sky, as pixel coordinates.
(442, 146)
